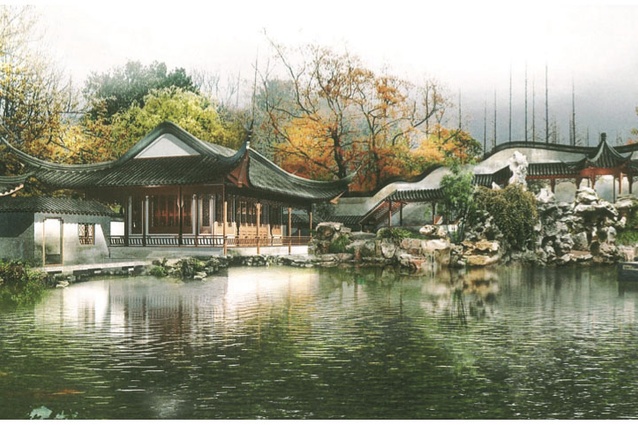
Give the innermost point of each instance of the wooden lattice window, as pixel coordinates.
(86, 233)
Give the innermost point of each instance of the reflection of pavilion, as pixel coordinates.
(143, 305)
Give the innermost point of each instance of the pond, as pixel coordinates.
(277, 342)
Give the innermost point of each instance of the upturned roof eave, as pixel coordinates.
(38, 163)
(345, 181)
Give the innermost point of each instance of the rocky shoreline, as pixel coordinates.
(582, 232)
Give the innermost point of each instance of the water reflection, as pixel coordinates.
(331, 343)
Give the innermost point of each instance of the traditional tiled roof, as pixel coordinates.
(548, 169)
(499, 177)
(11, 184)
(416, 195)
(43, 204)
(266, 176)
(348, 220)
(139, 172)
(211, 163)
(605, 157)
(206, 163)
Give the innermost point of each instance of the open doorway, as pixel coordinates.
(52, 241)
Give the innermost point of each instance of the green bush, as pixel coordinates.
(514, 211)
(158, 271)
(339, 245)
(627, 237)
(19, 284)
(397, 234)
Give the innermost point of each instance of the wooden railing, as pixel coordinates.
(207, 241)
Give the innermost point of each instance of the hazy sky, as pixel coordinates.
(469, 46)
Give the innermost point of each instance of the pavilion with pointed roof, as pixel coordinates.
(173, 189)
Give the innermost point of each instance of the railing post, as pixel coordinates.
(258, 207)
(224, 218)
(289, 230)
(144, 220)
(128, 217)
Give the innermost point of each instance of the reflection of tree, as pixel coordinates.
(458, 306)
(460, 294)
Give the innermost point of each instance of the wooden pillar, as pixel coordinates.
(289, 230)
(620, 184)
(390, 214)
(180, 213)
(144, 220)
(552, 183)
(630, 178)
(224, 219)
(433, 212)
(401, 214)
(196, 218)
(258, 210)
(310, 219)
(128, 219)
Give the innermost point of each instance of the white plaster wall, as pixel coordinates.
(72, 252)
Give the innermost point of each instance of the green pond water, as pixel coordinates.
(512, 342)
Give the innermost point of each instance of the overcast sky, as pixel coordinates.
(471, 47)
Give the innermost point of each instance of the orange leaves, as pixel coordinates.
(307, 151)
(445, 145)
(335, 117)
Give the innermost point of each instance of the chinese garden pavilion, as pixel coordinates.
(173, 189)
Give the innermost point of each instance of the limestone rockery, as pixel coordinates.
(583, 231)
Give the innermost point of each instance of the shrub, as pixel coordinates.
(19, 284)
(158, 271)
(514, 211)
(339, 245)
(397, 234)
(627, 237)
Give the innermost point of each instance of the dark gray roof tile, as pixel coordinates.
(44, 204)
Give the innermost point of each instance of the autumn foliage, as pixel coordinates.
(326, 117)
(338, 117)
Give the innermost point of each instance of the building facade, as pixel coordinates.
(46, 231)
(174, 190)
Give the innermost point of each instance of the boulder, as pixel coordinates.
(481, 260)
(362, 236)
(581, 242)
(368, 249)
(586, 195)
(546, 197)
(487, 246)
(388, 248)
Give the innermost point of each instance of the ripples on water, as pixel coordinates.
(289, 343)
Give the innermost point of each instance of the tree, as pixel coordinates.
(458, 188)
(115, 91)
(192, 112)
(514, 212)
(33, 98)
(340, 116)
(448, 146)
